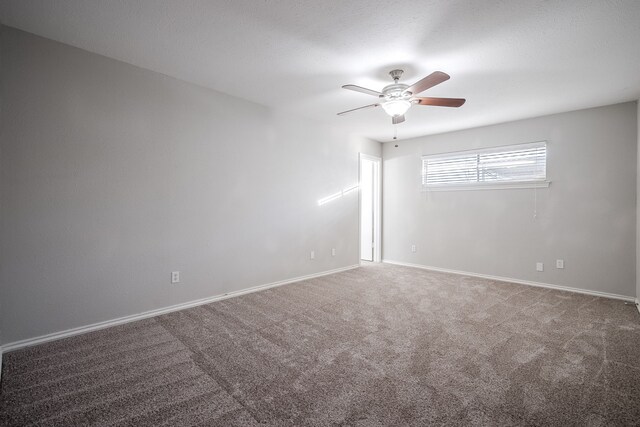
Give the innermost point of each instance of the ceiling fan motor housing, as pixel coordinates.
(395, 91)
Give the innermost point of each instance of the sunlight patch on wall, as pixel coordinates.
(337, 195)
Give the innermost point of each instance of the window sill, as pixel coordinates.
(495, 186)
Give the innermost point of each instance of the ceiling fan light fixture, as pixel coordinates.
(396, 107)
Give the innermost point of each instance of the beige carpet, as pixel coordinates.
(379, 345)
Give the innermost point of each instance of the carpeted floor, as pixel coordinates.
(379, 345)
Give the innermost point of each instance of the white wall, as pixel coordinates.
(113, 176)
(586, 217)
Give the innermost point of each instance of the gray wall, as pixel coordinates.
(1, 138)
(113, 176)
(638, 208)
(586, 217)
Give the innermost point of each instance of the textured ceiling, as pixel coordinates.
(510, 59)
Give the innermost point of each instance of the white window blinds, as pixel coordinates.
(521, 163)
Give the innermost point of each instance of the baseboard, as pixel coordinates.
(16, 345)
(512, 280)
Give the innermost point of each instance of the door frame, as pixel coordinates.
(377, 206)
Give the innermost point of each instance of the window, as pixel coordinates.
(521, 165)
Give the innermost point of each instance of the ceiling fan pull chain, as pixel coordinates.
(395, 131)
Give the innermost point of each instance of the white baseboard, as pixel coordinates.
(16, 345)
(512, 280)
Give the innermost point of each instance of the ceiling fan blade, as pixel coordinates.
(362, 90)
(397, 119)
(431, 80)
(441, 102)
(359, 108)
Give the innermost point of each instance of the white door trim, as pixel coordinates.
(377, 205)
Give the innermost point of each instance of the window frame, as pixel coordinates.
(485, 185)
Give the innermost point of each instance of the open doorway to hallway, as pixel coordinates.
(370, 170)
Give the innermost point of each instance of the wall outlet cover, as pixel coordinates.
(539, 266)
(175, 277)
(559, 263)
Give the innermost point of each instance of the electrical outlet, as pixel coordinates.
(175, 277)
(539, 266)
(559, 263)
(413, 248)
(333, 252)
(313, 255)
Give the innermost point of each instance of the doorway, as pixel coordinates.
(370, 168)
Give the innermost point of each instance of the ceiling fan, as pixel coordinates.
(397, 98)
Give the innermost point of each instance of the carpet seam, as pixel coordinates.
(223, 384)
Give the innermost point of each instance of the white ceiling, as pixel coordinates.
(510, 59)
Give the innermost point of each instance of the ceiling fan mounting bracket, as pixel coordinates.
(396, 74)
